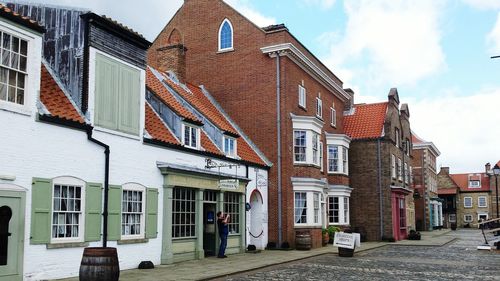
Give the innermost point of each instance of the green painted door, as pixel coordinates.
(11, 235)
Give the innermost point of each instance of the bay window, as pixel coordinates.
(338, 153)
(300, 207)
(338, 210)
(306, 140)
(299, 146)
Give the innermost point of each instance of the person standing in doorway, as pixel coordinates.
(222, 225)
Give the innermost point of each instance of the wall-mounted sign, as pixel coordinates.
(261, 180)
(229, 184)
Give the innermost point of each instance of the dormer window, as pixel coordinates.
(190, 136)
(474, 183)
(229, 146)
(226, 36)
(117, 95)
(13, 60)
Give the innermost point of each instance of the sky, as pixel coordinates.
(435, 52)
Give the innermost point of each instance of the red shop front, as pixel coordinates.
(398, 201)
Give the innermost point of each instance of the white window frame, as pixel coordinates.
(69, 181)
(302, 96)
(233, 153)
(397, 136)
(333, 159)
(400, 170)
(319, 108)
(343, 210)
(471, 202)
(333, 117)
(393, 166)
(294, 146)
(345, 160)
(452, 217)
(406, 172)
(342, 143)
(198, 137)
(482, 214)
(33, 64)
(468, 220)
(219, 36)
(473, 185)
(316, 208)
(321, 160)
(485, 202)
(295, 207)
(134, 187)
(315, 149)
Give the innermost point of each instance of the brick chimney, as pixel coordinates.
(172, 58)
(350, 103)
(487, 168)
(444, 171)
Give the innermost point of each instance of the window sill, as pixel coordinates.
(14, 108)
(307, 165)
(132, 241)
(301, 226)
(338, 174)
(303, 108)
(67, 245)
(320, 118)
(225, 51)
(333, 125)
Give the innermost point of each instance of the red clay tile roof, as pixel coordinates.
(247, 153)
(15, 17)
(447, 191)
(55, 100)
(208, 145)
(367, 122)
(167, 98)
(156, 128)
(462, 180)
(197, 99)
(416, 139)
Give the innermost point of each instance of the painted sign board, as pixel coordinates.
(347, 240)
(229, 184)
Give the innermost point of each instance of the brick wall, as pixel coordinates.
(243, 81)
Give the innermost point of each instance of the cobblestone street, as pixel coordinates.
(458, 260)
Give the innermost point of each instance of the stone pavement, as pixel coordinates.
(456, 260)
(210, 268)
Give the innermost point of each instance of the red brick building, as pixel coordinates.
(380, 157)
(284, 99)
(428, 205)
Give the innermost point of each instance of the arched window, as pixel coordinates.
(225, 36)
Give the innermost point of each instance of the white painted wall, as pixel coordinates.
(36, 149)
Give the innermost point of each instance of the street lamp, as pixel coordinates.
(496, 172)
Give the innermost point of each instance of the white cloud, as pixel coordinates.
(246, 9)
(323, 3)
(397, 41)
(483, 4)
(464, 128)
(493, 38)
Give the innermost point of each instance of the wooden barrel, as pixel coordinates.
(99, 264)
(303, 241)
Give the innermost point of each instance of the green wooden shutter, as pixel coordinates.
(130, 94)
(106, 92)
(93, 211)
(114, 212)
(41, 210)
(152, 213)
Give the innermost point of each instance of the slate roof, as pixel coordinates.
(367, 121)
(54, 99)
(156, 128)
(462, 180)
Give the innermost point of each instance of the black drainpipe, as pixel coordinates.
(106, 185)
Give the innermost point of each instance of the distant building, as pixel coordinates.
(448, 191)
(428, 205)
(473, 202)
(380, 164)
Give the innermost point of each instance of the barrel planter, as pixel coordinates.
(346, 252)
(303, 241)
(99, 264)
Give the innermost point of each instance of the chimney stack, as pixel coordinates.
(444, 171)
(172, 58)
(487, 168)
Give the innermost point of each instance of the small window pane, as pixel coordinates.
(24, 48)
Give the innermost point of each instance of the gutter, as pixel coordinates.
(89, 130)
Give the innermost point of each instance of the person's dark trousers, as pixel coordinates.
(223, 245)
